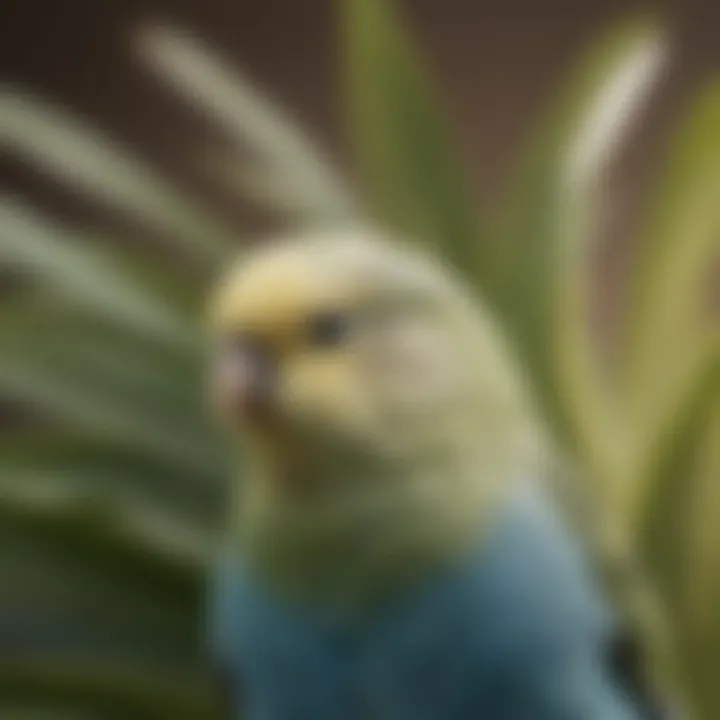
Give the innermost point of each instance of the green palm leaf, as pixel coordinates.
(671, 475)
(100, 168)
(285, 171)
(77, 269)
(414, 180)
(548, 227)
(667, 315)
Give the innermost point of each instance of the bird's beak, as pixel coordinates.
(242, 386)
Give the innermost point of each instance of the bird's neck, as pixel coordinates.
(381, 532)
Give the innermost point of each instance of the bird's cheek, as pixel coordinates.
(324, 391)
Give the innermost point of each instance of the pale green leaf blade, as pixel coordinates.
(34, 244)
(66, 149)
(621, 79)
(50, 461)
(668, 321)
(666, 510)
(283, 156)
(547, 226)
(674, 511)
(104, 411)
(701, 576)
(104, 354)
(128, 526)
(413, 176)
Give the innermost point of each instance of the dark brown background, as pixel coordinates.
(496, 61)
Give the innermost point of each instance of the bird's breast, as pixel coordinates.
(432, 653)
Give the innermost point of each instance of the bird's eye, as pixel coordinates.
(328, 329)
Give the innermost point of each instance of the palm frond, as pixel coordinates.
(548, 228)
(413, 175)
(671, 475)
(666, 316)
(103, 170)
(77, 269)
(286, 169)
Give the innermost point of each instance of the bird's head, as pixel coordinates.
(348, 347)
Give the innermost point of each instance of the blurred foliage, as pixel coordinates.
(111, 498)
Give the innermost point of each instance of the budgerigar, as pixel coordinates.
(395, 547)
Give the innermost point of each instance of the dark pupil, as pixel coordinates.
(328, 329)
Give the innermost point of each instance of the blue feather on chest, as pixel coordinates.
(447, 651)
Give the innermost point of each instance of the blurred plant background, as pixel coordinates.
(112, 481)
